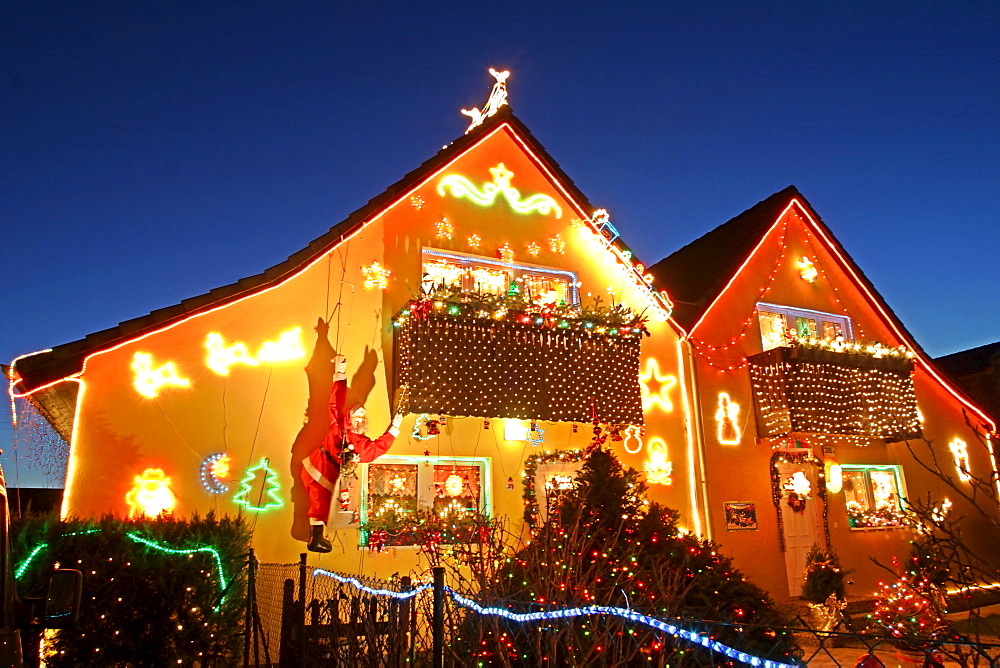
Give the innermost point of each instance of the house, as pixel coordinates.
(816, 405)
(977, 372)
(486, 299)
(482, 293)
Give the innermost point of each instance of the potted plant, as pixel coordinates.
(824, 584)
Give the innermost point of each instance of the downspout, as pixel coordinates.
(695, 438)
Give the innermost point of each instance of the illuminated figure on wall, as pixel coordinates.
(344, 446)
(150, 495)
(726, 417)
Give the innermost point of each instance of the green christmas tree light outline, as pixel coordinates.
(270, 476)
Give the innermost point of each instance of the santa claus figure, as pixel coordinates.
(345, 446)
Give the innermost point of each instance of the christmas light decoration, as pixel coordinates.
(813, 390)
(454, 485)
(834, 476)
(799, 454)
(658, 469)
(624, 613)
(535, 435)
(150, 495)
(497, 99)
(960, 451)
(399, 595)
(221, 357)
(443, 229)
(727, 429)
(506, 253)
(655, 387)
(474, 241)
(531, 464)
(534, 249)
(147, 380)
(632, 433)
(453, 357)
(266, 498)
(214, 473)
(223, 585)
(557, 245)
(807, 270)
(873, 497)
(460, 187)
(421, 422)
(376, 276)
(417, 201)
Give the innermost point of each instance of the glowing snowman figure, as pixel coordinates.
(150, 495)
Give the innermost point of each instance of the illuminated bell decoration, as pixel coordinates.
(150, 495)
(433, 427)
(454, 485)
(376, 276)
(215, 472)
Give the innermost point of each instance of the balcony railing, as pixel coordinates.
(811, 389)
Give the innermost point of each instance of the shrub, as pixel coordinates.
(823, 575)
(155, 592)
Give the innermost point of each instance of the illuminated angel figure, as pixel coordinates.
(497, 99)
(726, 416)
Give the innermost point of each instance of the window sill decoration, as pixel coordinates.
(482, 355)
(880, 518)
(425, 530)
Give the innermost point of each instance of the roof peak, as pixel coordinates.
(496, 100)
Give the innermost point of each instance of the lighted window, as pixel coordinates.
(412, 498)
(874, 496)
(776, 321)
(474, 273)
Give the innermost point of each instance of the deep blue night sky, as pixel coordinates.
(154, 151)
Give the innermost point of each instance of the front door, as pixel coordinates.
(800, 513)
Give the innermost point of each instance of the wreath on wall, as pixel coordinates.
(797, 502)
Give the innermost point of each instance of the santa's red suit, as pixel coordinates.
(321, 469)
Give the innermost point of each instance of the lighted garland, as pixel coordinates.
(512, 306)
(806, 457)
(531, 465)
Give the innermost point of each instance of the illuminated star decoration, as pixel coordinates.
(444, 229)
(459, 186)
(655, 387)
(474, 240)
(807, 271)
(147, 381)
(497, 99)
(658, 469)
(150, 495)
(537, 439)
(454, 485)
(557, 245)
(376, 276)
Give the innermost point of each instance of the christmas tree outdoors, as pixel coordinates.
(605, 544)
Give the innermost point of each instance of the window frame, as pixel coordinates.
(791, 313)
(867, 470)
(515, 270)
(425, 484)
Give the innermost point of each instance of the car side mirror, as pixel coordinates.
(62, 601)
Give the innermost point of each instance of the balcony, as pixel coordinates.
(462, 359)
(812, 388)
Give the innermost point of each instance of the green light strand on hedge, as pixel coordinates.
(24, 564)
(20, 570)
(171, 550)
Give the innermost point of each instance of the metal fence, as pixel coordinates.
(300, 615)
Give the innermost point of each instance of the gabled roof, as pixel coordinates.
(44, 371)
(700, 272)
(968, 361)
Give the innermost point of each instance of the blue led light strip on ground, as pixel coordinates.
(378, 592)
(631, 615)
